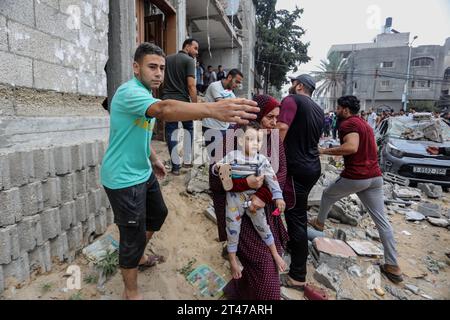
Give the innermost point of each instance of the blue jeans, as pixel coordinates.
(172, 143)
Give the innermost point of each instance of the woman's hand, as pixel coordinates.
(257, 204)
(255, 182)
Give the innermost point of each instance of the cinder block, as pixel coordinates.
(15, 242)
(105, 199)
(67, 214)
(9, 244)
(15, 70)
(52, 21)
(3, 36)
(109, 216)
(92, 154)
(33, 43)
(82, 181)
(18, 269)
(54, 77)
(51, 3)
(89, 229)
(37, 229)
(95, 201)
(2, 281)
(50, 223)
(59, 247)
(78, 157)
(5, 245)
(100, 222)
(87, 84)
(32, 198)
(75, 237)
(52, 192)
(63, 160)
(44, 164)
(10, 207)
(101, 150)
(93, 177)
(68, 187)
(101, 20)
(21, 167)
(21, 11)
(81, 207)
(27, 236)
(5, 182)
(40, 258)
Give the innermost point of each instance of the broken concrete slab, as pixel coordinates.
(197, 180)
(373, 234)
(365, 248)
(333, 247)
(406, 193)
(346, 212)
(444, 223)
(412, 215)
(291, 294)
(429, 209)
(355, 270)
(328, 277)
(315, 196)
(398, 293)
(211, 214)
(431, 190)
(412, 288)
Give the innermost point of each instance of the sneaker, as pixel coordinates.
(188, 165)
(176, 172)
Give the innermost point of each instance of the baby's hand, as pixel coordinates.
(281, 205)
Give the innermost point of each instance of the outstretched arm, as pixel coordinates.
(229, 110)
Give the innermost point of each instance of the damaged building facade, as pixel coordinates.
(59, 59)
(377, 72)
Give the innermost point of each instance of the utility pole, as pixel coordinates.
(374, 88)
(268, 80)
(405, 90)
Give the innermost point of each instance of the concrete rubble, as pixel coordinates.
(431, 190)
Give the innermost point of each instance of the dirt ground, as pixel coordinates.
(188, 234)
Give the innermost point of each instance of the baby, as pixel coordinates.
(241, 164)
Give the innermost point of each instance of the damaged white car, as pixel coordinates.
(402, 143)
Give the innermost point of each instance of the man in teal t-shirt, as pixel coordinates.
(130, 169)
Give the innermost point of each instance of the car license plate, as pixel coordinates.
(433, 171)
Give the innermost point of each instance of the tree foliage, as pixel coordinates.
(279, 48)
(332, 75)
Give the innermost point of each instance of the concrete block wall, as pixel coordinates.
(51, 205)
(59, 45)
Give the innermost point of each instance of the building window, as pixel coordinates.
(356, 85)
(421, 84)
(447, 74)
(387, 64)
(422, 62)
(385, 83)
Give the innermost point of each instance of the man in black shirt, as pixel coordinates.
(301, 123)
(180, 84)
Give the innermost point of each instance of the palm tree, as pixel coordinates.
(332, 75)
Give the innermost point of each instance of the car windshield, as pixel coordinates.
(423, 130)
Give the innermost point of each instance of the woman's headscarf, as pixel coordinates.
(266, 104)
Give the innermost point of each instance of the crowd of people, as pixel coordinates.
(264, 159)
(374, 119)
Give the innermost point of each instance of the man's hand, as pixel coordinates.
(433, 150)
(257, 204)
(255, 182)
(281, 205)
(234, 110)
(159, 169)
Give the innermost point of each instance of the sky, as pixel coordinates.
(329, 22)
